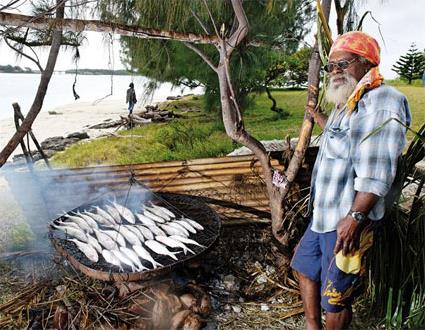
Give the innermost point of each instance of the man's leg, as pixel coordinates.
(338, 321)
(310, 294)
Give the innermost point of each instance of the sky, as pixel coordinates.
(401, 23)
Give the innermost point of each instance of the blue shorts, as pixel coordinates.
(315, 259)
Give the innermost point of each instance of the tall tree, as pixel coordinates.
(410, 66)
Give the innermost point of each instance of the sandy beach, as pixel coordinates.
(76, 117)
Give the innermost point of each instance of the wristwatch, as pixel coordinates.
(358, 216)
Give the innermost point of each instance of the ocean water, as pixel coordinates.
(22, 88)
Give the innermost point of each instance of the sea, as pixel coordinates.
(22, 88)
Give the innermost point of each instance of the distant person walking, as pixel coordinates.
(131, 98)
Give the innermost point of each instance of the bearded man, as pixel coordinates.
(350, 179)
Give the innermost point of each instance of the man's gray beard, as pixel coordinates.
(339, 95)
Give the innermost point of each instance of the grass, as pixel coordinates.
(201, 134)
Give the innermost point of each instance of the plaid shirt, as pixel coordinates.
(345, 164)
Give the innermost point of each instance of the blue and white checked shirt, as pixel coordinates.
(345, 165)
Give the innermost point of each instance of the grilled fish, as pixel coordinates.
(147, 233)
(186, 225)
(105, 215)
(156, 230)
(173, 243)
(88, 219)
(187, 240)
(145, 220)
(170, 230)
(145, 255)
(124, 259)
(100, 219)
(164, 209)
(74, 232)
(133, 257)
(111, 258)
(136, 232)
(125, 212)
(113, 212)
(88, 250)
(128, 235)
(158, 212)
(179, 227)
(115, 235)
(160, 249)
(105, 240)
(154, 217)
(82, 223)
(93, 242)
(193, 223)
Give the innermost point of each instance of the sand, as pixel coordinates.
(70, 118)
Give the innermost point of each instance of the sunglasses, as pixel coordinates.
(343, 64)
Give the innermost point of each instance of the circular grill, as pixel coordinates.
(188, 206)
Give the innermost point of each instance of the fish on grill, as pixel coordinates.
(193, 223)
(186, 240)
(160, 249)
(113, 212)
(98, 219)
(74, 232)
(145, 220)
(105, 215)
(110, 258)
(125, 212)
(145, 255)
(133, 257)
(115, 235)
(128, 235)
(124, 259)
(158, 212)
(156, 230)
(154, 217)
(82, 223)
(179, 227)
(172, 243)
(105, 240)
(94, 242)
(90, 221)
(137, 232)
(165, 210)
(146, 232)
(170, 230)
(186, 225)
(88, 250)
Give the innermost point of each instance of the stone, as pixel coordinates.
(78, 135)
(173, 98)
(237, 308)
(230, 283)
(265, 307)
(261, 279)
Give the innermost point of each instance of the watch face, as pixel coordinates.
(358, 216)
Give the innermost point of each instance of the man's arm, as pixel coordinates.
(349, 229)
(319, 117)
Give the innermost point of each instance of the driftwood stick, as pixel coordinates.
(17, 109)
(28, 158)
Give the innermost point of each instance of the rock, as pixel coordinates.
(57, 143)
(78, 135)
(151, 107)
(265, 307)
(108, 123)
(230, 283)
(261, 279)
(173, 98)
(237, 308)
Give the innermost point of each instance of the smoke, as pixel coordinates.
(30, 200)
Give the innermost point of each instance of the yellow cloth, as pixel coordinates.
(370, 80)
(351, 264)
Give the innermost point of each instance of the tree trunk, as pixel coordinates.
(41, 91)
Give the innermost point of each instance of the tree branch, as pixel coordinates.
(101, 26)
(202, 55)
(24, 55)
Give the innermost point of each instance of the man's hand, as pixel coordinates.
(348, 233)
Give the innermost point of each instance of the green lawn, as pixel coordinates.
(201, 134)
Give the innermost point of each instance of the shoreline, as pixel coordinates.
(67, 119)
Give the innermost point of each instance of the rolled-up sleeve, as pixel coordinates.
(375, 158)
